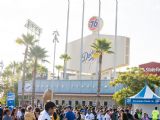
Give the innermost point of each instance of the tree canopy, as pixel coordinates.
(65, 57)
(134, 81)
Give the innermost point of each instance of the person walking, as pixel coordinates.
(140, 114)
(78, 116)
(29, 115)
(1, 112)
(19, 112)
(13, 114)
(107, 116)
(82, 115)
(114, 115)
(7, 113)
(130, 117)
(55, 116)
(37, 112)
(94, 113)
(21, 117)
(136, 114)
(145, 116)
(89, 115)
(49, 110)
(155, 114)
(62, 115)
(101, 116)
(123, 116)
(69, 115)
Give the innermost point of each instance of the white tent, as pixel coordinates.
(146, 100)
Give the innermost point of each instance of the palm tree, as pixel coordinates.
(13, 65)
(42, 69)
(65, 57)
(102, 46)
(26, 41)
(59, 67)
(19, 67)
(6, 73)
(36, 53)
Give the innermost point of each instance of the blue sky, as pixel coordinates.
(137, 19)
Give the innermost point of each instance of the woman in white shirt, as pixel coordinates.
(100, 116)
(107, 116)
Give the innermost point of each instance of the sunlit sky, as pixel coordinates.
(137, 19)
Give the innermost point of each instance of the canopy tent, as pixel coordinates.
(145, 96)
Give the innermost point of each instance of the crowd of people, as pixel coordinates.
(56, 112)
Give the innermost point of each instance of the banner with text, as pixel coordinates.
(11, 100)
(142, 101)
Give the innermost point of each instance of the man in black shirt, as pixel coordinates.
(130, 117)
(94, 113)
(136, 114)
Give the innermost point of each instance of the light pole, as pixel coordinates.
(99, 17)
(30, 25)
(80, 70)
(115, 47)
(65, 64)
(55, 33)
(1, 67)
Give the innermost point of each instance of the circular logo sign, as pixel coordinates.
(93, 24)
(27, 87)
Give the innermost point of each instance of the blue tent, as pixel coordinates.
(146, 100)
(145, 96)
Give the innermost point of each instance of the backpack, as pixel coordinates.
(21, 117)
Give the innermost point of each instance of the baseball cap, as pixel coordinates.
(69, 106)
(82, 110)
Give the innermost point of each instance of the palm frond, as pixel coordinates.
(102, 46)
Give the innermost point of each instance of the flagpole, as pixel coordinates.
(98, 37)
(80, 69)
(115, 48)
(65, 65)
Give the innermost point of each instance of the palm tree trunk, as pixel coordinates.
(13, 71)
(33, 85)
(99, 81)
(58, 74)
(63, 69)
(32, 73)
(41, 76)
(24, 70)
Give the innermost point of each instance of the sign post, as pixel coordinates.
(11, 100)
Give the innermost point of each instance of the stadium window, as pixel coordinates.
(105, 104)
(25, 97)
(63, 102)
(90, 103)
(70, 103)
(56, 102)
(76, 102)
(83, 103)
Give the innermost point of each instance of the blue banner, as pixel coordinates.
(11, 100)
(142, 101)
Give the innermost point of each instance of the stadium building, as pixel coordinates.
(74, 91)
